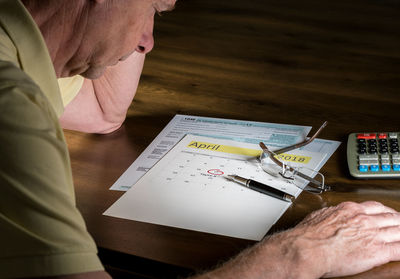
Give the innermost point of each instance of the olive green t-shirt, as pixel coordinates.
(41, 231)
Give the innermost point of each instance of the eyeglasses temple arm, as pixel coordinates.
(303, 143)
(271, 155)
(318, 185)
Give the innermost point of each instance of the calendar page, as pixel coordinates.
(188, 188)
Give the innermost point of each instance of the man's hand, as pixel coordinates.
(101, 104)
(336, 241)
(348, 239)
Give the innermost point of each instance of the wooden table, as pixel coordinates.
(296, 62)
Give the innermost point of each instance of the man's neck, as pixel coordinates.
(56, 21)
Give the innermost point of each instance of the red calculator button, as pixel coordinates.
(366, 136)
(382, 136)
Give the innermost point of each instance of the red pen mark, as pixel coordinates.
(215, 172)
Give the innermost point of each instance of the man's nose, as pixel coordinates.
(146, 42)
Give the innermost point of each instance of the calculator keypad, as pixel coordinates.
(375, 160)
(374, 154)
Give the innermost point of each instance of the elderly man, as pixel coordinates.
(42, 232)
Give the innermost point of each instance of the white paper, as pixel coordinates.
(188, 189)
(274, 135)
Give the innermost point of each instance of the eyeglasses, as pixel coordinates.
(300, 176)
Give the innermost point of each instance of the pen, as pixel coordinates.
(262, 188)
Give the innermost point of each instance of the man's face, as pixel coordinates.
(114, 30)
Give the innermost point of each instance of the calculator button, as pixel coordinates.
(383, 150)
(374, 168)
(385, 157)
(396, 167)
(393, 135)
(368, 159)
(385, 162)
(386, 167)
(383, 143)
(363, 168)
(372, 142)
(382, 136)
(362, 151)
(366, 136)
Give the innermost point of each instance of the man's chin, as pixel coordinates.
(93, 72)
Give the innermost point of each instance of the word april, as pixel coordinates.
(200, 145)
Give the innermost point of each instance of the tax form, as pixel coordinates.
(272, 134)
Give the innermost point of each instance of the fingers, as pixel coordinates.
(390, 235)
(394, 251)
(373, 207)
(371, 214)
(368, 207)
(386, 219)
(363, 235)
(380, 220)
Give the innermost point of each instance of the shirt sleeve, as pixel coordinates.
(70, 87)
(42, 232)
(8, 52)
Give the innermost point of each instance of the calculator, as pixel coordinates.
(374, 155)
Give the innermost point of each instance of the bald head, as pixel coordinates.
(85, 36)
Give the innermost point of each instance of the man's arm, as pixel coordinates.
(343, 240)
(41, 227)
(101, 104)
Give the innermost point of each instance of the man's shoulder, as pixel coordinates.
(22, 101)
(14, 81)
(11, 74)
(8, 51)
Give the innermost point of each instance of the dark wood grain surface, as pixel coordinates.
(297, 62)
